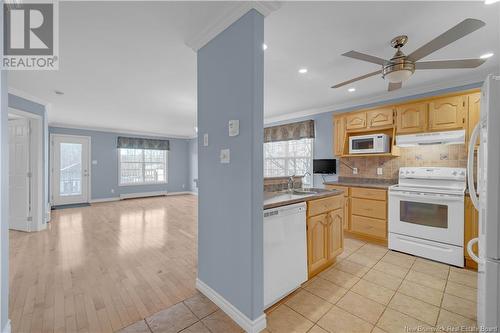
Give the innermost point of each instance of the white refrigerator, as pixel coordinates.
(486, 199)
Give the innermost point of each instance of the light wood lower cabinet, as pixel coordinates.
(471, 220)
(325, 237)
(365, 212)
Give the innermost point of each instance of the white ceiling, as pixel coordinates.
(125, 65)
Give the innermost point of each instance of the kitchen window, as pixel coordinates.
(287, 158)
(142, 166)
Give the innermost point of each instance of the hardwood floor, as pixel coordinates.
(103, 267)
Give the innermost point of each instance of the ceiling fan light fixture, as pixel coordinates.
(398, 76)
(486, 55)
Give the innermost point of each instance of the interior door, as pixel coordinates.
(70, 169)
(19, 174)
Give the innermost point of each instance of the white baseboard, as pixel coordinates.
(142, 194)
(181, 193)
(7, 328)
(250, 326)
(104, 200)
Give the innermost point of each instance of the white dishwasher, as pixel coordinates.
(285, 251)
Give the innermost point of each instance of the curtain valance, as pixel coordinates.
(141, 143)
(293, 131)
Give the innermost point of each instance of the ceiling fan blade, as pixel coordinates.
(394, 86)
(462, 29)
(364, 57)
(446, 64)
(357, 79)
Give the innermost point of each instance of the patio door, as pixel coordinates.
(70, 169)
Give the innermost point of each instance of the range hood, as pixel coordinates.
(432, 138)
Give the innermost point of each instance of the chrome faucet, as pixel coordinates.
(290, 183)
(304, 176)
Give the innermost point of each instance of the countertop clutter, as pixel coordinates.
(283, 198)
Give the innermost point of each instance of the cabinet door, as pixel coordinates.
(411, 118)
(447, 113)
(317, 254)
(347, 213)
(335, 237)
(356, 121)
(473, 114)
(379, 117)
(471, 221)
(339, 128)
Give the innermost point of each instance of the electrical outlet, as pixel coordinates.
(380, 171)
(205, 140)
(183, 186)
(354, 171)
(112, 190)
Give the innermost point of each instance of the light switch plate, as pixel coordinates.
(205, 139)
(94, 162)
(234, 127)
(225, 156)
(380, 171)
(354, 171)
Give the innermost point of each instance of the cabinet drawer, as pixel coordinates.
(338, 187)
(315, 207)
(368, 193)
(371, 208)
(369, 226)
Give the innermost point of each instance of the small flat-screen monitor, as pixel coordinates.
(325, 166)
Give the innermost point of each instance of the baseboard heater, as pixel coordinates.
(142, 195)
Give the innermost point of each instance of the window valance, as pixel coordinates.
(141, 143)
(293, 131)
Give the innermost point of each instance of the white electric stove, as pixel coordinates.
(426, 213)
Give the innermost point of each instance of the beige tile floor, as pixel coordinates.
(369, 289)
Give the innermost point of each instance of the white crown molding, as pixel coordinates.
(227, 18)
(118, 131)
(384, 98)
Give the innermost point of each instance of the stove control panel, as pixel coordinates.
(433, 173)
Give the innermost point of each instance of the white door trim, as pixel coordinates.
(36, 167)
(88, 178)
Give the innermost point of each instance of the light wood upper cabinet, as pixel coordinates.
(474, 101)
(317, 234)
(380, 117)
(355, 121)
(447, 113)
(335, 233)
(411, 118)
(339, 134)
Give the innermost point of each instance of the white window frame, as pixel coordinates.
(288, 158)
(120, 183)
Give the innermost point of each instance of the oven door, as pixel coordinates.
(432, 216)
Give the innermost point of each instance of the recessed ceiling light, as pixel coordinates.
(264, 47)
(303, 70)
(58, 92)
(351, 89)
(489, 2)
(487, 55)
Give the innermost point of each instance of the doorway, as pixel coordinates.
(25, 171)
(70, 161)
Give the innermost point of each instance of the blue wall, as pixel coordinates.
(4, 196)
(104, 175)
(230, 199)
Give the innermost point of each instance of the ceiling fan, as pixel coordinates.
(400, 67)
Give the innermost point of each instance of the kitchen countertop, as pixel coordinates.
(360, 182)
(278, 199)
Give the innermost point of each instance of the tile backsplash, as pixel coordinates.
(432, 156)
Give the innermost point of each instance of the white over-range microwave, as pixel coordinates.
(369, 144)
